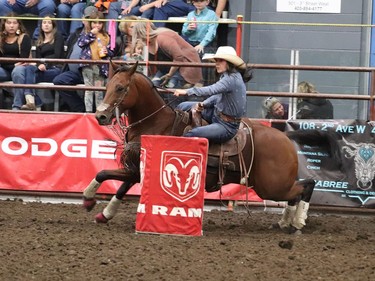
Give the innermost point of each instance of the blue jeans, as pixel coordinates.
(71, 98)
(42, 9)
(23, 75)
(176, 8)
(74, 11)
(217, 131)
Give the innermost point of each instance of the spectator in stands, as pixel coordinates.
(166, 45)
(70, 9)
(200, 35)
(41, 8)
(14, 43)
(94, 41)
(71, 73)
(275, 109)
(50, 45)
(170, 8)
(313, 108)
(137, 54)
(219, 6)
(126, 29)
(225, 102)
(139, 8)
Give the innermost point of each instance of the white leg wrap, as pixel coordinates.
(91, 189)
(287, 216)
(299, 220)
(111, 210)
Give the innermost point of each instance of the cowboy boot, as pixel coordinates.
(30, 103)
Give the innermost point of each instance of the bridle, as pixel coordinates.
(117, 103)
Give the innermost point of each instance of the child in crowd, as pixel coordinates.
(200, 35)
(94, 41)
(137, 54)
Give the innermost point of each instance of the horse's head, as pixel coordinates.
(120, 94)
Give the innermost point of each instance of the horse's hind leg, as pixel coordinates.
(299, 220)
(287, 216)
(295, 213)
(111, 209)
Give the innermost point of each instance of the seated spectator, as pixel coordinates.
(94, 41)
(200, 35)
(15, 43)
(70, 9)
(170, 8)
(41, 8)
(139, 8)
(313, 108)
(50, 45)
(166, 45)
(275, 109)
(219, 6)
(71, 73)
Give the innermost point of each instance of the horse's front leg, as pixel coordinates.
(89, 193)
(111, 209)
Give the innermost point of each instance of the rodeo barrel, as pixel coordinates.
(173, 173)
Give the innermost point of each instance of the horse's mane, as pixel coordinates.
(126, 67)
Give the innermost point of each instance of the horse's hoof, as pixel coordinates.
(274, 226)
(100, 218)
(89, 204)
(293, 230)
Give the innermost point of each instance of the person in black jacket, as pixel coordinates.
(313, 108)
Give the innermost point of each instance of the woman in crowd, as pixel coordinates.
(14, 43)
(166, 45)
(313, 108)
(275, 109)
(226, 99)
(126, 29)
(50, 45)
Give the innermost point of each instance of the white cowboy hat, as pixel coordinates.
(227, 53)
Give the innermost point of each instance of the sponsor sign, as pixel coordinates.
(309, 6)
(342, 164)
(173, 183)
(64, 152)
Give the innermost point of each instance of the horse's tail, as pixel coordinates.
(327, 140)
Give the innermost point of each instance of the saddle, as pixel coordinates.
(218, 154)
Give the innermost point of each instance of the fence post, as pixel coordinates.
(239, 35)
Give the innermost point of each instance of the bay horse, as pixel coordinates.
(268, 158)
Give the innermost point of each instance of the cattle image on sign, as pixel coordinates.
(259, 157)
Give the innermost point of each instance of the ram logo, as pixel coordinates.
(181, 174)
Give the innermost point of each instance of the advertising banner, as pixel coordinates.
(58, 152)
(173, 174)
(341, 159)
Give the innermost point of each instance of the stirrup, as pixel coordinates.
(196, 118)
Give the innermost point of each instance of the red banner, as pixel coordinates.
(63, 152)
(173, 182)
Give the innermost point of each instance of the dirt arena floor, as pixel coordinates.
(61, 242)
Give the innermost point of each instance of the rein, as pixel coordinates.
(118, 115)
